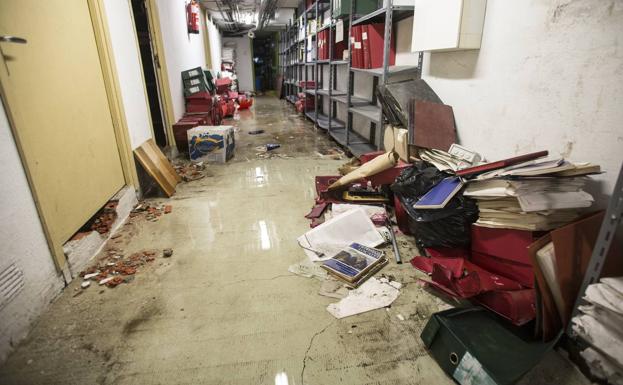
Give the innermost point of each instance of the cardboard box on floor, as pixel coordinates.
(211, 143)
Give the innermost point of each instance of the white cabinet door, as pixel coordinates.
(447, 25)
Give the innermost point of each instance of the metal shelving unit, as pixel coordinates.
(368, 110)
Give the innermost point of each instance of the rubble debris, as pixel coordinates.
(85, 284)
(256, 132)
(151, 212)
(332, 153)
(91, 275)
(105, 218)
(166, 253)
(114, 269)
(114, 281)
(191, 171)
(105, 280)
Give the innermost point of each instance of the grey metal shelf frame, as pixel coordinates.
(297, 68)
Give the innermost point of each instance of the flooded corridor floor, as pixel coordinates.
(224, 309)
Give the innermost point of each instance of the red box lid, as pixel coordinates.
(508, 244)
(518, 272)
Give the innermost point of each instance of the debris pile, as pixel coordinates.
(151, 212)
(331, 153)
(105, 218)
(191, 171)
(114, 269)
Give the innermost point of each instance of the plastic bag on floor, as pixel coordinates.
(448, 226)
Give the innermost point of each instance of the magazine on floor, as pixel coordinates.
(353, 262)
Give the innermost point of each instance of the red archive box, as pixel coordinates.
(504, 243)
(222, 85)
(375, 39)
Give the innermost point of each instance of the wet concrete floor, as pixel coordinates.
(224, 309)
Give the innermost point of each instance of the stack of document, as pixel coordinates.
(442, 160)
(529, 201)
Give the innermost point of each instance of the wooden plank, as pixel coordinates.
(157, 166)
(162, 162)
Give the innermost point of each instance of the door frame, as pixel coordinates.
(113, 91)
(162, 75)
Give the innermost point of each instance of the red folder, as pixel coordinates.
(358, 51)
(325, 44)
(319, 46)
(500, 164)
(365, 46)
(376, 35)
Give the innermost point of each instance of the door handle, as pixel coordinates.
(9, 39)
(12, 39)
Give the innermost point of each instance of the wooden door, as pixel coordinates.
(55, 97)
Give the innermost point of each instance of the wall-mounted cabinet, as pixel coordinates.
(447, 25)
(362, 7)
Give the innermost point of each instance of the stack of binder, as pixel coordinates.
(367, 45)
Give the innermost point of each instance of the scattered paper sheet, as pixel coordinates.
(333, 289)
(326, 240)
(340, 208)
(308, 269)
(372, 294)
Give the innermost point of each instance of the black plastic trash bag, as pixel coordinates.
(449, 226)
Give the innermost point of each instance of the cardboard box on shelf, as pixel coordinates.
(211, 143)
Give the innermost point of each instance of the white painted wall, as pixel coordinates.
(214, 36)
(127, 59)
(244, 62)
(183, 51)
(22, 242)
(549, 75)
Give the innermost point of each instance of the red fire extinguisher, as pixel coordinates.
(192, 16)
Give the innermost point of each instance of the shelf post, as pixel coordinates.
(351, 81)
(607, 231)
(389, 12)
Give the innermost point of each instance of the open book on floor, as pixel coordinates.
(353, 262)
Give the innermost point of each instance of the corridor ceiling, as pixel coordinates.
(237, 18)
